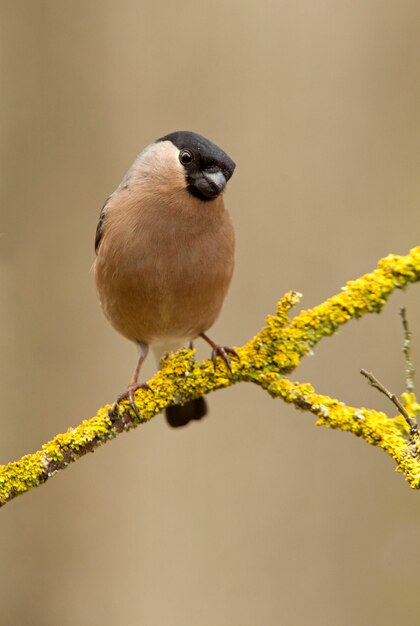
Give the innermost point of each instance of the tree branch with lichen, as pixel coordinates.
(266, 360)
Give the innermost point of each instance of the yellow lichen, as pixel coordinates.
(410, 404)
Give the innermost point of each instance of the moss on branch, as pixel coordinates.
(266, 360)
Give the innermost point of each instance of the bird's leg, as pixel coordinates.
(134, 382)
(222, 351)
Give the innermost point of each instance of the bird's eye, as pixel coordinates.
(185, 157)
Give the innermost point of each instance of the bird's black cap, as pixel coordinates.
(206, 157)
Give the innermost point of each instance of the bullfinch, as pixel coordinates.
(165, 247)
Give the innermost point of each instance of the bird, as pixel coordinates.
(165, 250)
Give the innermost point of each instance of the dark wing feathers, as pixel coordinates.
(100, 226)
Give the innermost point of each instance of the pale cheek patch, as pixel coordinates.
(165, 172)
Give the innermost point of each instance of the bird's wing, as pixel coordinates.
(100, 226)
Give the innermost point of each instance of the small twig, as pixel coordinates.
(409, 367)
(414, 431)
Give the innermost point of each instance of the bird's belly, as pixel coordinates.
(162, 299)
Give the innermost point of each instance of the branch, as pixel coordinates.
(265, 360)
(409, 367)
(412, 424)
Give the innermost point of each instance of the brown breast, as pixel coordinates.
(164, 264)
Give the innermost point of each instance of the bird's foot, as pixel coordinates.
(223, 352)
(129, 395)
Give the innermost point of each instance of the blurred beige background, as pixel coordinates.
(253, 516)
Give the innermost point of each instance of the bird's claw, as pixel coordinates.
(223, 352)
(129, 395)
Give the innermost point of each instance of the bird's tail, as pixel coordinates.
(181, 414)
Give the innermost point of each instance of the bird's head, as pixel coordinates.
(206, 168)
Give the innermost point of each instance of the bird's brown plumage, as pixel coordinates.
(165, 260)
